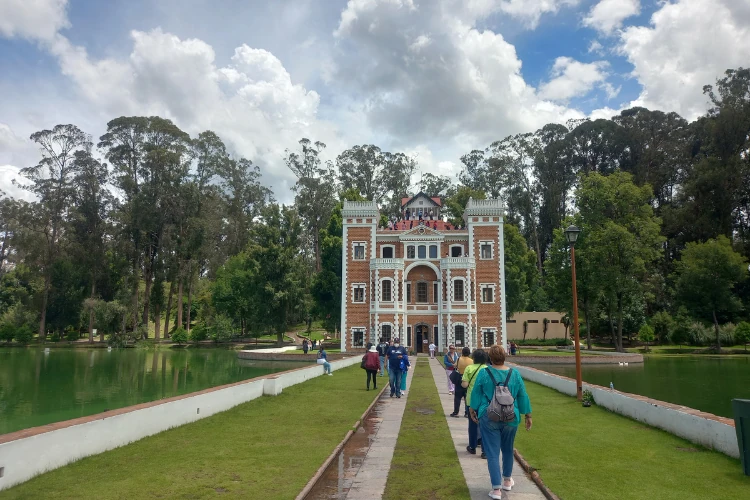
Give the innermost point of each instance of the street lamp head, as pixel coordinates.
(571, 235)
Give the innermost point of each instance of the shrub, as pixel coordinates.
(663, 324)
(726, 333)
(742, 333)
(55, 337)
(7, 332)
(71, 334)
(699, 334)
(543, 342)
(200, 332)
(180, 336)
(223, 329)
(24, 335)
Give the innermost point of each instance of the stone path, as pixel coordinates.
(475, 468)
(369, 482)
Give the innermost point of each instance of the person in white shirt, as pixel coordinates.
(432, 348)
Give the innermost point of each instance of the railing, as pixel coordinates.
(386, 263)
(457, 262)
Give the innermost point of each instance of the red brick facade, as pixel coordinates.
(420, 284)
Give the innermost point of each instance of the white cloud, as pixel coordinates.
(32, 19)
(251, 102)
(571, 78)
(529, 12)
(608, 15)
(596, 47)
(689, 43)
(463, 88)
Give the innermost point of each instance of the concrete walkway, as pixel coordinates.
(369, 482)
(475, 468)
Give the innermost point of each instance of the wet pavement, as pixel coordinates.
(360, 471)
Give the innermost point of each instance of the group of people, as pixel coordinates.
(395, 357)
(307, 343)
(479, 373)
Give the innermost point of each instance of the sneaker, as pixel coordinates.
(472, 451)
(454, 415)
(507, 487)
(398, 396)
(392, 394)
(496, 496)
(483, 456)
(330, 374)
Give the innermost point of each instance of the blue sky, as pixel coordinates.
(434, 79)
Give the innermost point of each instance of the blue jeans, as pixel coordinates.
(395, 380)
(382, 363)
(326, 367)
(473, 434)
(497, 439)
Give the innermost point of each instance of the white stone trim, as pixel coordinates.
(467, 333)
(450, 251)
(393, 289)
(364, 335)
(364, 292)
(482, 287)
(392, 247)
(494, 335)
(453, 291)
(344, 287)
(492, 249)
(501, 264)
(356, 244)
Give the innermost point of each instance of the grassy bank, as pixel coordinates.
(424, 463)
(267, 448)
(590, 453)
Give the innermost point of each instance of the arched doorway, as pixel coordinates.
(422, 337)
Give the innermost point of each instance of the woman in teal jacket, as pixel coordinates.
(498, 437)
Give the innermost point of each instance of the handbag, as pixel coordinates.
(455, 377)
(362, 364)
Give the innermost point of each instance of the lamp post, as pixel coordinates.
(571, 235)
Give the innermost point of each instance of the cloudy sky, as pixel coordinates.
(433, 78)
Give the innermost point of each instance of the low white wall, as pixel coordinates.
(691, 426)
(26, 457)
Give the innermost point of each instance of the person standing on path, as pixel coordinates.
(323, 360)
(464, 361)
(305, 346)
(382, 348)
(395, 354)
(432, 348)
(498, 437)
(467, 382)
(372, 363)
(449, 360)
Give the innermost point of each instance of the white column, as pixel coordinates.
(449, 297)
(344, 285)
(396, 302)
(501, 259)
(377, 299)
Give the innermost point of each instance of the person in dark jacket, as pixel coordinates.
(372, 364)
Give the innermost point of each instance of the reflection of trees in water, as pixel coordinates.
(38, 388)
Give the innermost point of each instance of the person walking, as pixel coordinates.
(464, 361)
(479, 358)
(382, 348)
(395, 354)
(372, 363)
(432, 348)
(305, 346)
(498, 437)
(449, 360)
(323, 360)
(405, 365)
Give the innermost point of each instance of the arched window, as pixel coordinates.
(387, 252)
(410, 252)
(459, 335)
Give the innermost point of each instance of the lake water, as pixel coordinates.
(38, 388)
(704, 383)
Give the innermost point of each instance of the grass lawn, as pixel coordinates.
(736, 350)
(425, 464)
(256, 450)
(313, 335)
(591, 453)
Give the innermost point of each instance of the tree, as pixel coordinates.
(742, 333)
(315, 191)
(623, 237)
(520, 270)
(646, 334)
(52, 183)
(706, 277)
(456, 201)
(435, 185)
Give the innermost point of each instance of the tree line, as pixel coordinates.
(150, 230)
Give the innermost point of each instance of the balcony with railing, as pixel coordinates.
(458, 263)
(387, 264)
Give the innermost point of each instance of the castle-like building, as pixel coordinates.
(421, 279)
